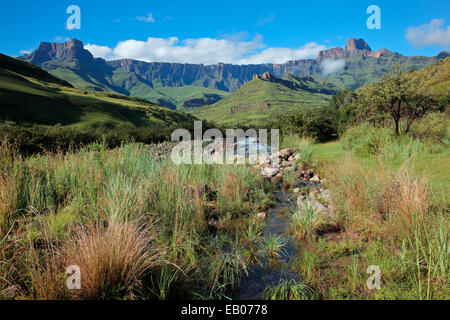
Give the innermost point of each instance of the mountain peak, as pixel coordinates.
(60, 51)
(355, 47)
(357, 44)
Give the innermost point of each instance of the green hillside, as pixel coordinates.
(181, 98)
(100, 77)
(435, 79)
(360, 70)
(30, 95)
(262, 99)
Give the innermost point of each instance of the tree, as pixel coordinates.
(396, 97)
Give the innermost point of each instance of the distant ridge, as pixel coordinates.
(150, 80)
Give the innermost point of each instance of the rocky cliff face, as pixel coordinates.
(357, 46)
(59, 51)
(227, 77)
(354, 47)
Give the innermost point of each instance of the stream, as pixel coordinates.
(253, 286)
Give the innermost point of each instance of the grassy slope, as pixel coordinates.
(435, 79)
(436, 166)
(259, 100)
(27, 97)
(360, 71)
(182, 94)
(122, 81)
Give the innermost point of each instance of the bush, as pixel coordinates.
(365, 139)
(428, 135)
(38, 138)
(433, 127)
(317, 123)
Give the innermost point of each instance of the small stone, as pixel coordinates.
(315, 179)
(261, 216)
(296, 190)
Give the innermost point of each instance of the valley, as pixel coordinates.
(361, 178)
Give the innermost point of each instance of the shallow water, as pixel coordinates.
(253, 286)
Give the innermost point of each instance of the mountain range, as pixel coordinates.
(185, 86)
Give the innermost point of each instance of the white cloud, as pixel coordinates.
(434, 33)
(283, 55)
(24, 52)
(99, 51)
(204, 50)
(329, 66)
(148, 18)
(265, 20)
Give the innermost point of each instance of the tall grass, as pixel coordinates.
(303, 145)
(126, 216)
(113, 258)
(288, 290)
(394, 208)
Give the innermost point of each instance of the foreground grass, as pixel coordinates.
(393, 212)
(136, 227)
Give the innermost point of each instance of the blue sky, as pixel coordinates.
(230, 31)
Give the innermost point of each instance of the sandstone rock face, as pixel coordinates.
(355, 46)
(60, 51)
(334, 53)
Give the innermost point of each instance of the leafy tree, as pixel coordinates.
(396, 97)
(344, 102)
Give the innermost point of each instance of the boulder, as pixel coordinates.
(264, 159)
(319, 209)
(269, 172)
(286, 153)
